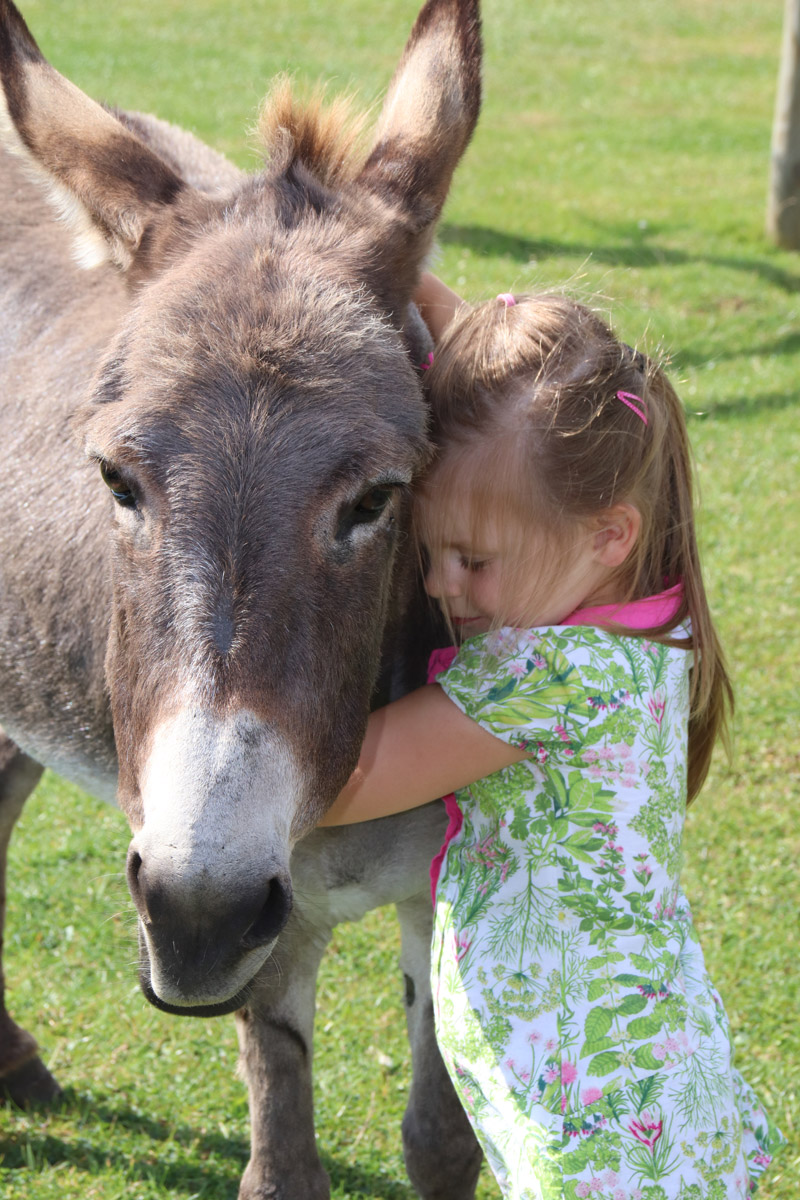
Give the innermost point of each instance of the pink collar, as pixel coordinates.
(639, 614)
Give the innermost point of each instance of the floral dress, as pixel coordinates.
(585, 1039)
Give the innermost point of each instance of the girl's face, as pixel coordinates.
(478, 578)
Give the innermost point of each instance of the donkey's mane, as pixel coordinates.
(323, 134)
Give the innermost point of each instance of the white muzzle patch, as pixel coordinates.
(219, 795)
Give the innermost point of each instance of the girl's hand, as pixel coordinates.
(416, 750)
(437, 304)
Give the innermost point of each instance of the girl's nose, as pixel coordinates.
(442, 583)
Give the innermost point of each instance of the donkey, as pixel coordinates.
(197, 610)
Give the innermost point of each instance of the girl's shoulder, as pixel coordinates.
(507, 644)
(484, 661)
(523, 684)
(555, 652)
(611, 629)
(549, 685)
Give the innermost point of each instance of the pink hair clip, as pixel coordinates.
(426, 366)
(632, 401)
(507, 298)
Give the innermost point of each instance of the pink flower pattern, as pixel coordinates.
(569, 1072)
(647, 1130)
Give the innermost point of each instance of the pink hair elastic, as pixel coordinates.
(507, 298)
(426, 366)
(632, 401)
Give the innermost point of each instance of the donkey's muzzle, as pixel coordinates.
(208, 867)
(203, 944)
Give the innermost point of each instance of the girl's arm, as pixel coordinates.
(437, 304)
(417, 749)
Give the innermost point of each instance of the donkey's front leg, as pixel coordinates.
(443, 1158)
(23, 1076)
(276, 1032)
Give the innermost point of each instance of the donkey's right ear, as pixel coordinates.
(103, 179)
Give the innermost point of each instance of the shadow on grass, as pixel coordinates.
(697, 358)
(774, 349)
(751, 405)
(636, 248)
(211, 1168)
(631, 247)
(359, 1182)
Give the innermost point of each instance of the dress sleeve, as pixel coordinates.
(524, 687)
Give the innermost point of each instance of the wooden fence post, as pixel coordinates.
(783, 204)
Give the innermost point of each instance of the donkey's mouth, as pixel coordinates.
(197, 1010)
(207, 1003)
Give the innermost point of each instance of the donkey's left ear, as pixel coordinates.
(105, 182)
(614, 534)
(426, 122)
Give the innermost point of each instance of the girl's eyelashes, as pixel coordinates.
(474, 564)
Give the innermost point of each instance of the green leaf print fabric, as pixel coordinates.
(573, 1008)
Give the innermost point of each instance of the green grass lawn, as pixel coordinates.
(623, 151)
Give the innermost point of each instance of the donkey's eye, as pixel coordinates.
(366, 510)
(120, 490)
(371, 504)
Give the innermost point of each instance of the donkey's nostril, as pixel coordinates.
(133, 868)
(148, 899)
(272, 917)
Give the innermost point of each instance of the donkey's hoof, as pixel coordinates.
(30, 1085)
(304, 1181)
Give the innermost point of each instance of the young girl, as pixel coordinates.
(587, 1043)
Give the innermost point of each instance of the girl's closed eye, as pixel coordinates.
(474, 564)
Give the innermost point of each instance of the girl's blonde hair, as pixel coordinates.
(527, 396)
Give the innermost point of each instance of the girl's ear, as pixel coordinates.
(614, 534)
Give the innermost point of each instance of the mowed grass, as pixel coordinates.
(623, 152)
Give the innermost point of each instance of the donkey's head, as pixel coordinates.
(257, 421)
